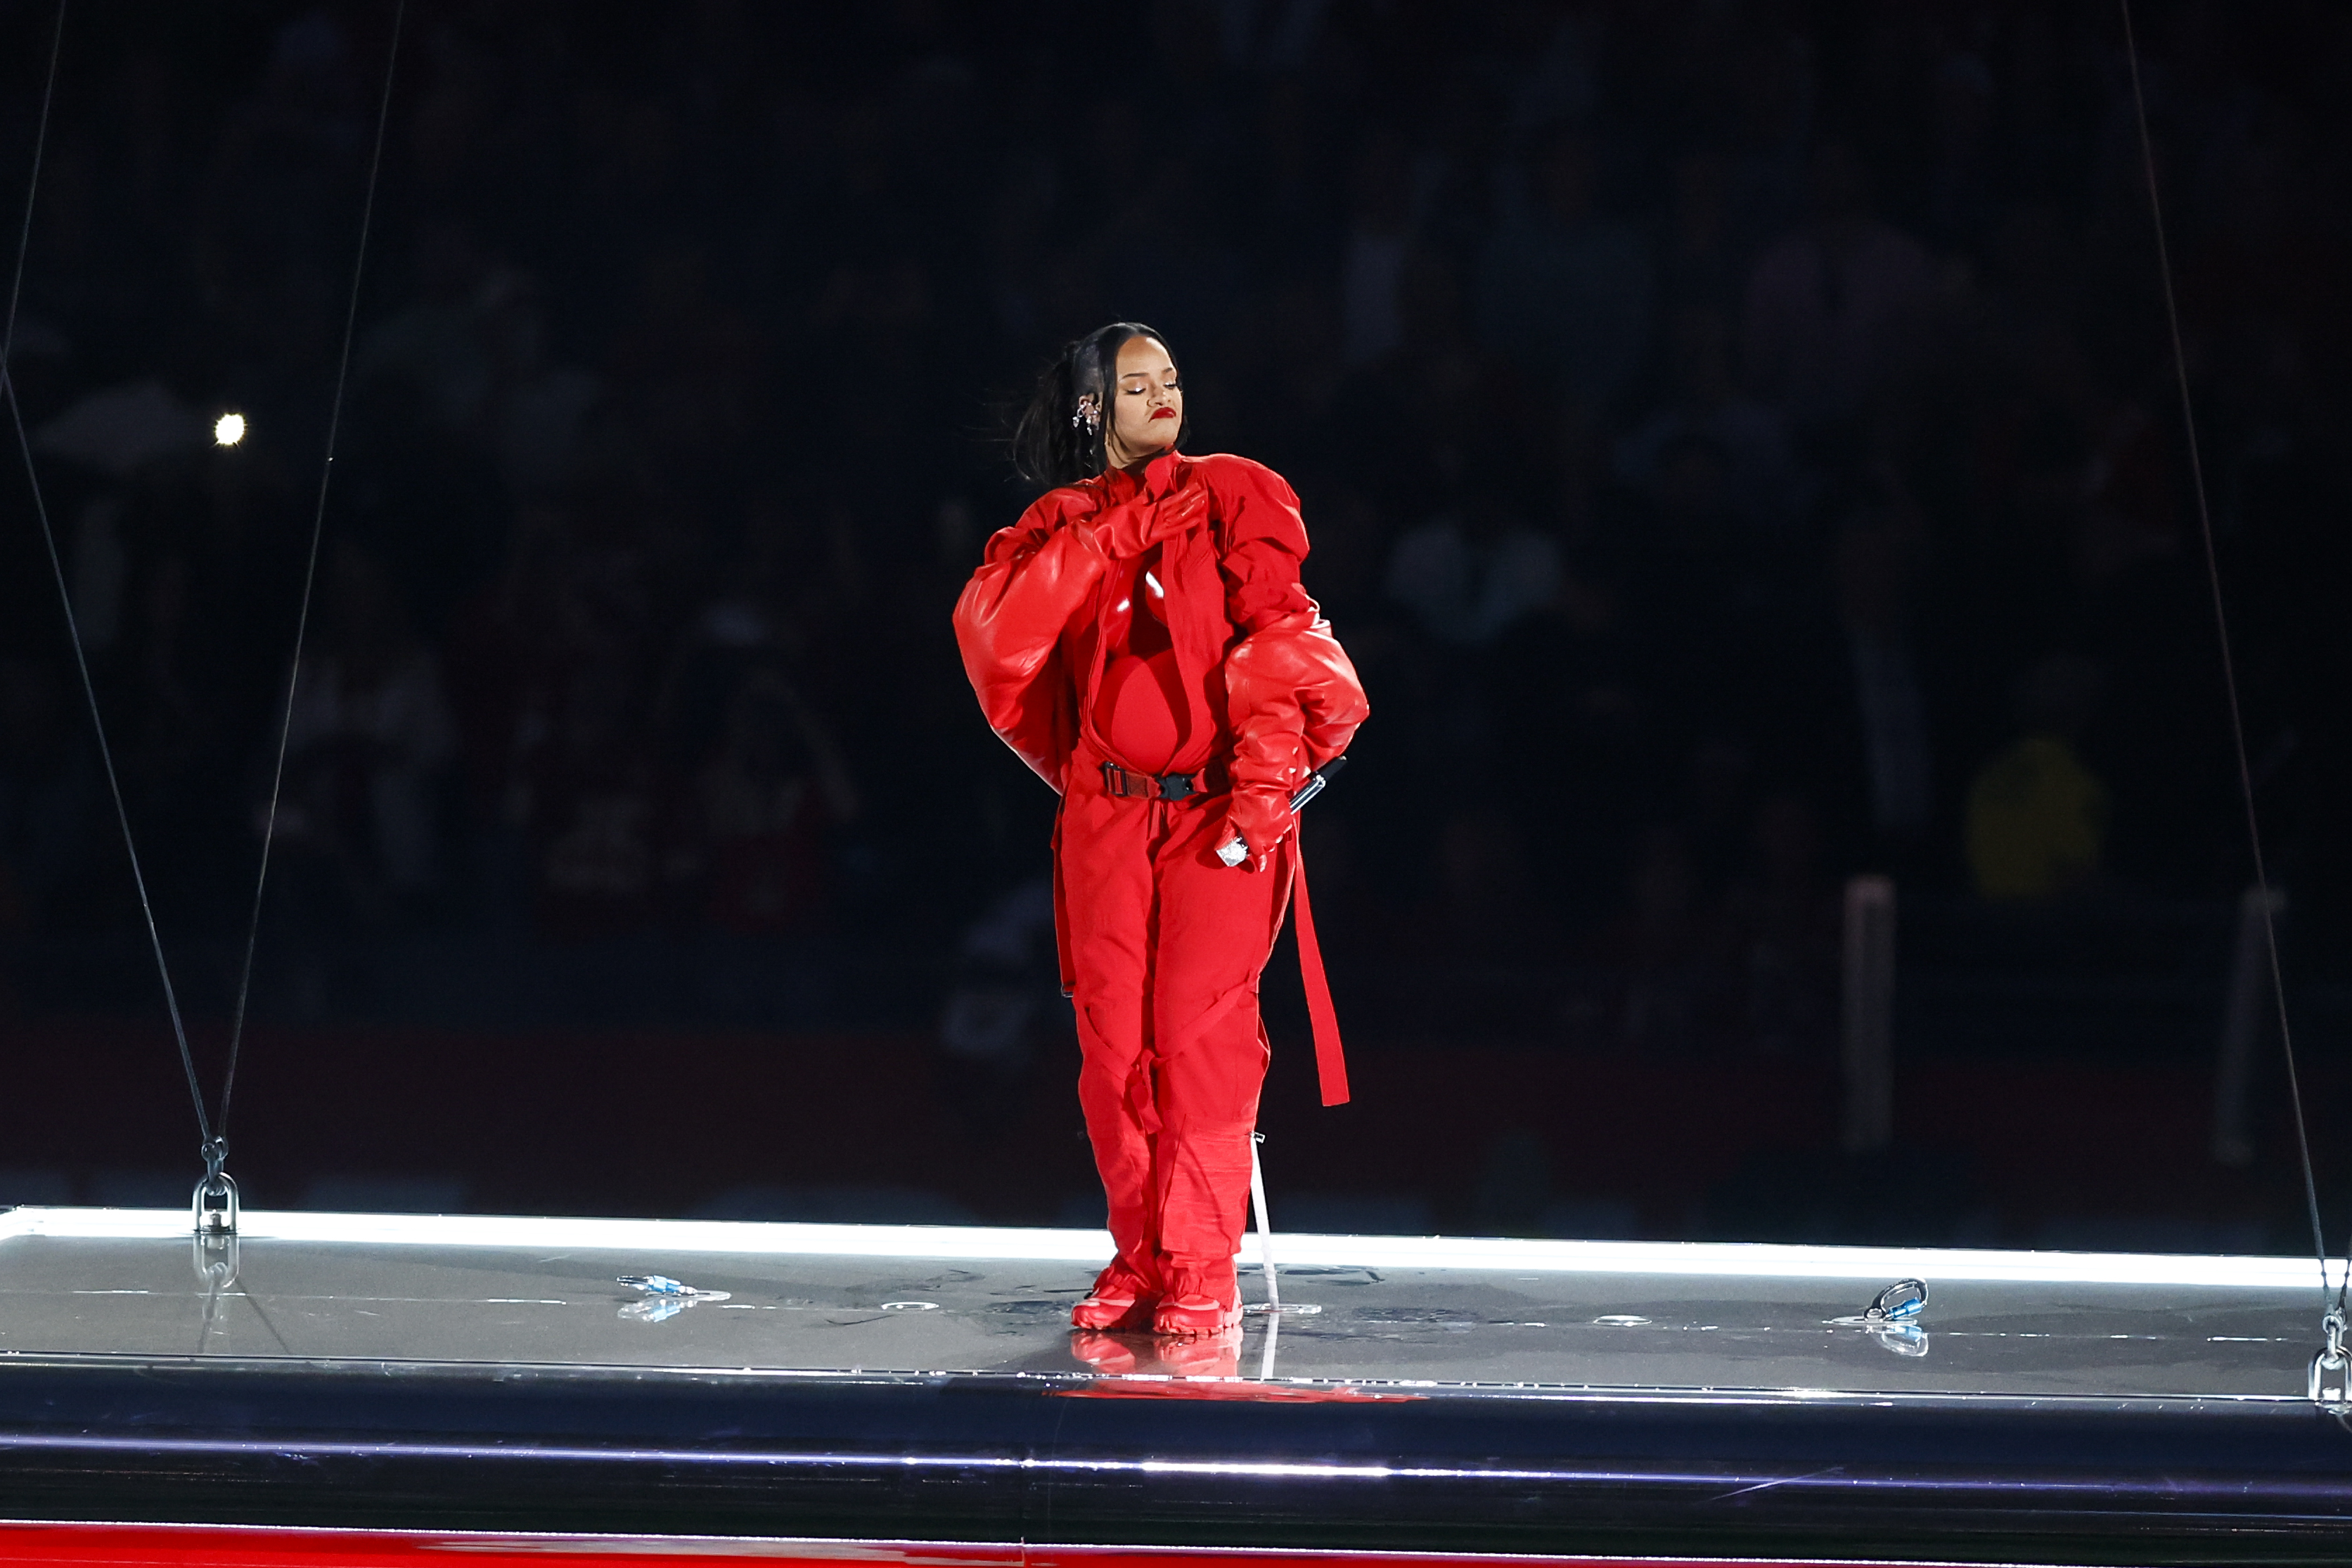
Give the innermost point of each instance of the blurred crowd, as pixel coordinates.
(1739, 440)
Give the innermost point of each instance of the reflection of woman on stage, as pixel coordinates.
(1141, 639)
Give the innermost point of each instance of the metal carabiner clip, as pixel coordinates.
(1899, 1303)
(2331, 1370)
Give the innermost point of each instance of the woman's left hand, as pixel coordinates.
(1260, 816)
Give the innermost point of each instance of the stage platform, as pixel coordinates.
(851, 1386)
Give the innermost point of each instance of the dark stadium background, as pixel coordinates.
(645, 853)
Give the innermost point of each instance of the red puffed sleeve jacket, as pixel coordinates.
(1029, 627)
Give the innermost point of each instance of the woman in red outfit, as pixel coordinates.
(1141, 639)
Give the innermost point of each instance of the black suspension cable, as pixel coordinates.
(65, 597)
(2228, 664)
(310, 570)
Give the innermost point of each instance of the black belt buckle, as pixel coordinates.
(1117, 781)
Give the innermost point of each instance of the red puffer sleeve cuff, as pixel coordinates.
(1294, 703)
(1291, 680)
(1035, 579)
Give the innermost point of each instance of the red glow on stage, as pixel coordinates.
(241, 1546)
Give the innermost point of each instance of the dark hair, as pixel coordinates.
(1051, 443)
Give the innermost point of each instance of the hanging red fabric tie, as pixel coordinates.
(1330, 1062)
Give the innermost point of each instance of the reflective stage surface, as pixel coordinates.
(922, 1384)
(1379, 1310)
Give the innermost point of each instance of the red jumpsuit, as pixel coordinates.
(1158, 625)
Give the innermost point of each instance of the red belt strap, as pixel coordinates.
(1331, 1063)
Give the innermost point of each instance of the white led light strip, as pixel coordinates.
(1739, 1260)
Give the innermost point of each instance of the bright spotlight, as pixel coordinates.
(228, 429)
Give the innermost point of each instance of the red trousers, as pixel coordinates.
(1165, 946)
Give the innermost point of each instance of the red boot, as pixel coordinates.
(1119, 1300)
(1187, 1316)
(1200, 1300)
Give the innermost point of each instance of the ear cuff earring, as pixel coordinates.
(1088, 413)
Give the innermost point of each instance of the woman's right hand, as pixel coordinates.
(1132, 527)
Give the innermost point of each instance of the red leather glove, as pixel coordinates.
(1259, 814)
(1130, 528)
